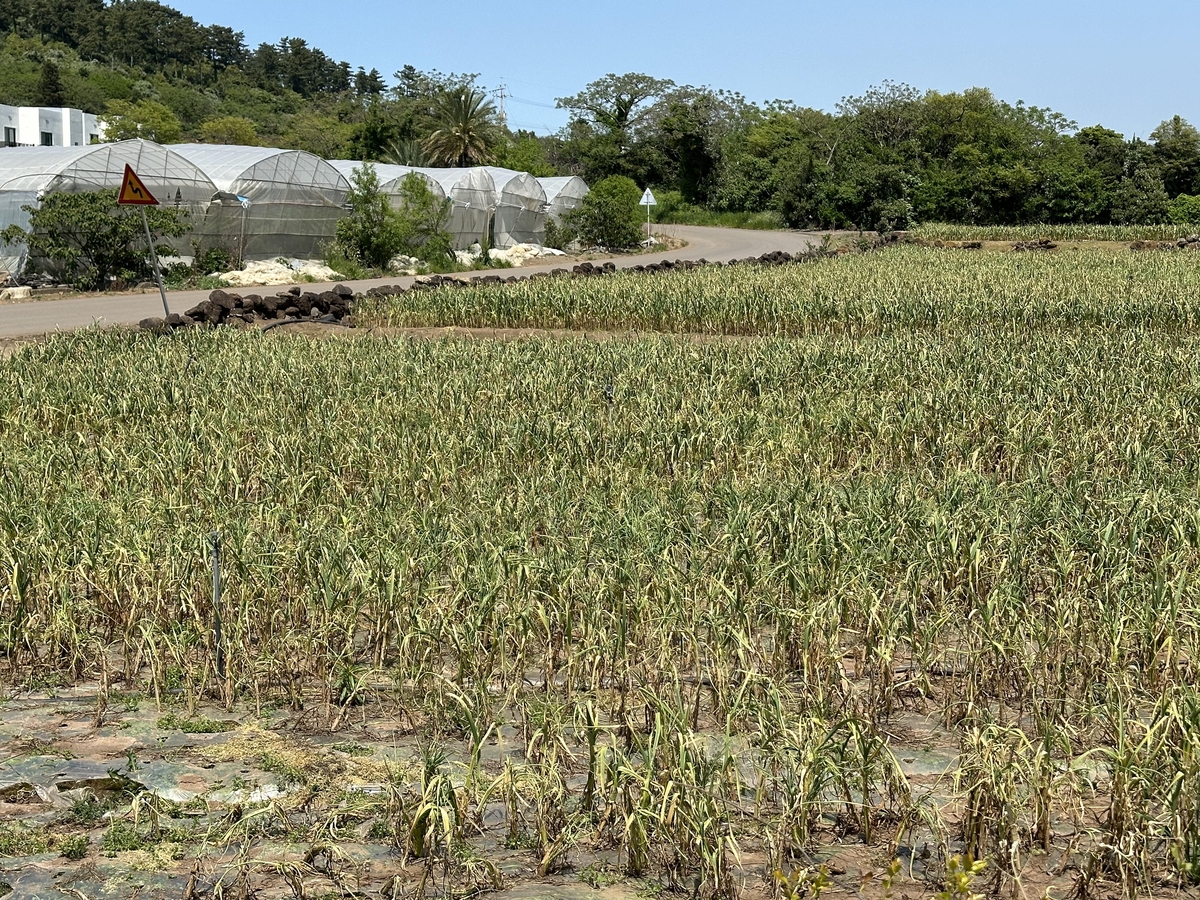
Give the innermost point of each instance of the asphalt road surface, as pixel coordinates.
(43, 316)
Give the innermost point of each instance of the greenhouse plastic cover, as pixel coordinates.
(295, 200)
(473, 193)
(520, 216)
(29, 173)
(563, 194)
(390, 176)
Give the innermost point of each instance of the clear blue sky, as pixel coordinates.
(1125, 65)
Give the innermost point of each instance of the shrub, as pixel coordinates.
(374, 232)
(74, 847)
(673, 209)
(214, 259)
(1184, 210)
(95, 239)
(371, 233)
(423, 218)
(671, 206)
(119, 838)
(610, 215)
(559, 235)
(346, 265)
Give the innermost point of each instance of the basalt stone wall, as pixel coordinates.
(337, 305)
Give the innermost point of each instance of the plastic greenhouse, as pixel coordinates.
(474, 195)
(268, 203)
(563, 194)
(390, 178)
(27, 174)
(520, 216)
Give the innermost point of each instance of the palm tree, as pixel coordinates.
(405, 153)
(466, 129)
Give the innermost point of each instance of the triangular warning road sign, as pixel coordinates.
(647, 199)
(133, 191)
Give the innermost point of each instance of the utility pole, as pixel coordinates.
(501, 93)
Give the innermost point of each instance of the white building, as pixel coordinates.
(40, 126)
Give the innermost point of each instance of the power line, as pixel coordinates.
(532, 102)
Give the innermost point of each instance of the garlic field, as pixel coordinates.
(797, 572)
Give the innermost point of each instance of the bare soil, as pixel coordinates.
(151, 802)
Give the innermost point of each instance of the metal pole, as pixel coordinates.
(219, 643)
(242, 243)
(154, 259)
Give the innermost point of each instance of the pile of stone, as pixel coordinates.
(293, 305)
(958, 245)
(589, 270)
(223, 308)
(1041, 244)
(1191, 242)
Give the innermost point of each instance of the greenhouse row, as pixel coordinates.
(263, 203)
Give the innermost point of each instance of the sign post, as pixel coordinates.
(135, 193)
(648, 201)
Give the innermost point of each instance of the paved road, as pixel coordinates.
(40, 317)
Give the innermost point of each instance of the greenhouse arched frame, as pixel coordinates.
(520, 216)
(29, 174)
(563, 195)
(269, 203)
(473, 194)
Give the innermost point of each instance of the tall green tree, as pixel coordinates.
(1177, 156)
(223, 47)
(50, 90)
(368, 83)
(229, 130)
(690, 125)
(467, 131)
(616, 103)
(152, 35)
(371, 232)
(405, 153)
(523, 152)
(146, 119)
(606, 122)
(424, 219)
(1141, 198)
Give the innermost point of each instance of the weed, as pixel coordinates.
(194, 725)
(121, 837)
(19, 840)
(74, 847)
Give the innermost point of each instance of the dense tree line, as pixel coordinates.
(146, 35)
(887, 158)
(884, 159)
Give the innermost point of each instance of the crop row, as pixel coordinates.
(1116, 233)
(858, 295)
